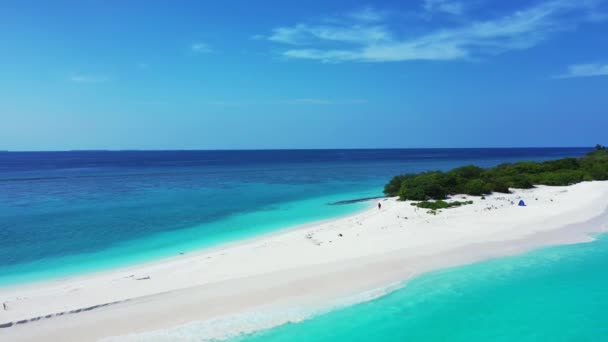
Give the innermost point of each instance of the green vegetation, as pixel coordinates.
(436, 205)
(476, 181)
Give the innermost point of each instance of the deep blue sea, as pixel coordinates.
(64, 213)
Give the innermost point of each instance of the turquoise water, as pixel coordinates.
(65, 213)
(68, 213)
(171, 243)
(554, 294)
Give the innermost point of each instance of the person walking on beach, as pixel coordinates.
(379, 205)
(4, 306)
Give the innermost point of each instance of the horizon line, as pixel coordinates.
(290, 149)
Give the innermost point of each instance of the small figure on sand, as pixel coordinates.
(4, 306)
(379, 205)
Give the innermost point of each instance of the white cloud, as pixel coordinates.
(445, 6)
(200, 48)
(585, 70)
(302, 34)
(81, 78)
(356, 40)
(367, 14)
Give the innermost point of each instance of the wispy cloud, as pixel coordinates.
(367, 14)
(445, 6)
(257, 37)
(82, 78)
(303, 34)
(597, 16)
(200, 48)
(585, 70)
(349, 38)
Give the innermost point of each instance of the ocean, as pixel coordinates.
(553, 294)
(68, 213)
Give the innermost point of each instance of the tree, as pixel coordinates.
(393, 187)
(473, 180)
(425, 186)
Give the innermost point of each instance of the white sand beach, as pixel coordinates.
(300, 269)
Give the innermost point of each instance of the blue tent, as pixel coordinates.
(522, 203)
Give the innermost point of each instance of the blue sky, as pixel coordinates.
(307, 74)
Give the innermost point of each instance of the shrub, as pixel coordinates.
(428, 185)
(476, 181)
(436, 205)
(561, 164)
(477, 187)
(467, 172)
(561, 177)
(596, 156)
(519, 181)
(392, 188)
(598, 171)
(528, 167)
(499, 185)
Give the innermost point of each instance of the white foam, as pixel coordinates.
(231, 326)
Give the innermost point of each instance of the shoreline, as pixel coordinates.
(128, 265)
(307, 266)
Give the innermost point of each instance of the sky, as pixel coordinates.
(302, 74)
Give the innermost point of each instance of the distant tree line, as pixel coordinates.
(477, 181)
